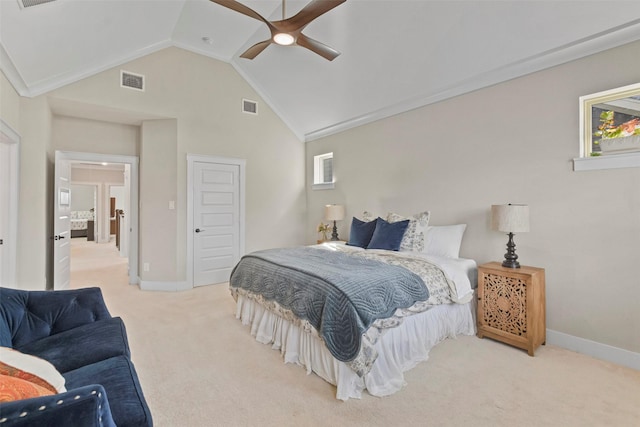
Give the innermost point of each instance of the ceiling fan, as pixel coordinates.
(288, 31)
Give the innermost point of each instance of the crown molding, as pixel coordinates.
(593, 44)
(12, 74)
(55, 82)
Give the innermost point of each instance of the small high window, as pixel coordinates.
(610, 129)
(323, 171)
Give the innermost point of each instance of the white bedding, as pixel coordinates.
(399, 348)
(79, 219)
(78, 224)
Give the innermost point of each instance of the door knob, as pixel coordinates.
(198, 230)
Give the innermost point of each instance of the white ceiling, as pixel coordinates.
(396, 54)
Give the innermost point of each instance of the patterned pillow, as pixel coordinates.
(14, 388)
(31, 369)
(414, 238)
(368, 216)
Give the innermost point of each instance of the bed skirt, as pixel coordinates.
(399, 349)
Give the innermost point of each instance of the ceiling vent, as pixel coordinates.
(249, 107)
(28, 3)
(131, 80)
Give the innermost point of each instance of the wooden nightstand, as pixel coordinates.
(511, 305)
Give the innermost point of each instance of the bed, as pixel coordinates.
(332, 309)
(79, 221)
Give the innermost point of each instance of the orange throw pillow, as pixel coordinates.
(12, 371)
(14, 388)
(31, 368)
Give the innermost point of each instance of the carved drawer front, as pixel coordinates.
(504, 305)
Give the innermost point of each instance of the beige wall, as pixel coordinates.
(85, 135)
(158, 186)
(203, 96)
(35, 222)
(511, 143)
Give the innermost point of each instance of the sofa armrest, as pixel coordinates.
(81, 407)
(33, 315)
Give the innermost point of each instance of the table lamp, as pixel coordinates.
(334, 213)
(510, 219)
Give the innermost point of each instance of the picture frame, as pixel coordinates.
(605, 120)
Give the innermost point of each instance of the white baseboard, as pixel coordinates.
(147, 285)
(598, 350)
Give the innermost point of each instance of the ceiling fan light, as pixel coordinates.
(283, 39)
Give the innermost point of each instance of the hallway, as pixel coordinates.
(96, 264)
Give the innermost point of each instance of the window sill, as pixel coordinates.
(613, 161)
(325, 186)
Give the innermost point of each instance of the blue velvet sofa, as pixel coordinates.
(74, 331)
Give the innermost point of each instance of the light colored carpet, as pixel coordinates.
(200, 367)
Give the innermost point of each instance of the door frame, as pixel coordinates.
(191, 159)
(132, 161)
(10, 137)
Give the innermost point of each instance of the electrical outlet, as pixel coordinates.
(145, 266)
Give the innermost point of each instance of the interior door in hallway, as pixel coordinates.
(8, 207)
(216, 221)
(62, 223)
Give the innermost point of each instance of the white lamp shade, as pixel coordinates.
(334, 212)
(510, 218)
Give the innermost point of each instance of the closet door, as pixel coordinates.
(216, 221)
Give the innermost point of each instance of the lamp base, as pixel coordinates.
(510, 264)
(334, 235)
(510, 258)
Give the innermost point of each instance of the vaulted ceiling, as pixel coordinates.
(395, 54)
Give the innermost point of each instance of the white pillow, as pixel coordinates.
(444, 240)
(414, 238)
(27, 367)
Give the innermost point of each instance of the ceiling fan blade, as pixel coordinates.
(317, 47)
(239, 7)
(311, 12)
(254, 50)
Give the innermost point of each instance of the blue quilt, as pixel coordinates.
(340, 295)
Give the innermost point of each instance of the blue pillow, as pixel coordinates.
(388, 235)
(361, 232)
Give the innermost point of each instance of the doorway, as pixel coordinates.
(102, 211)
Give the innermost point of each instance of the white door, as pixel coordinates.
(216, 221)
(62, 223)
(5, 161)
(8, 210)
